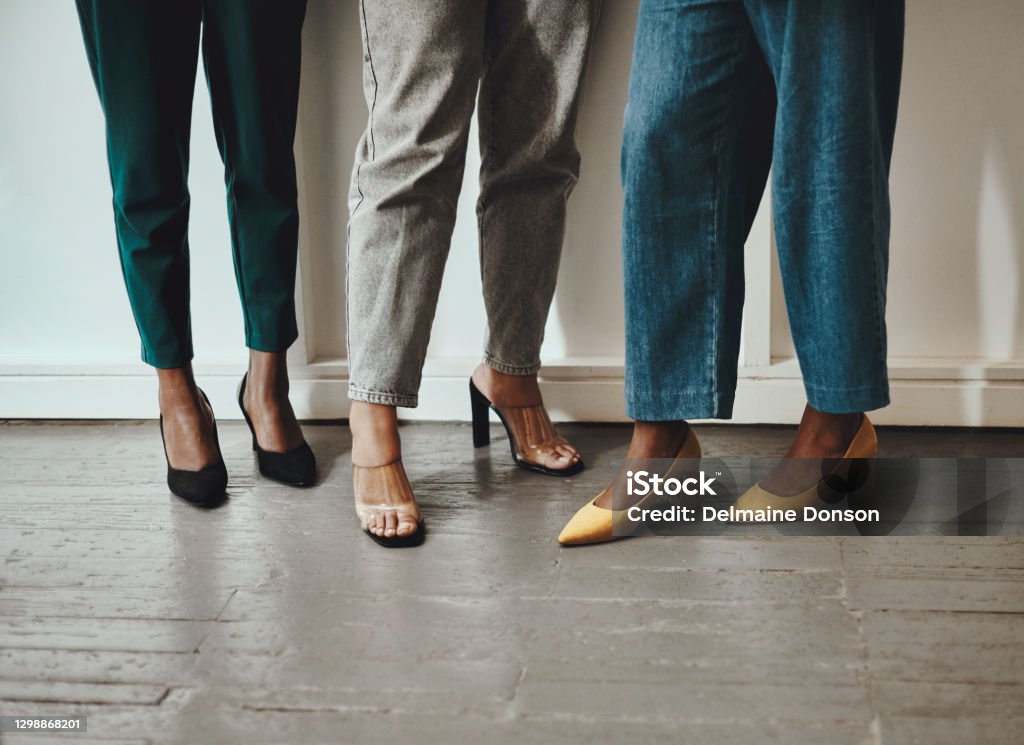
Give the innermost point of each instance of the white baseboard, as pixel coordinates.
(924, 392)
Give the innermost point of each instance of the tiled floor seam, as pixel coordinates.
(864, 673)
(216, 620)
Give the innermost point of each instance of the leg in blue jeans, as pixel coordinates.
(837, 69)
(720, 91)
(700, 121)
(695, 159)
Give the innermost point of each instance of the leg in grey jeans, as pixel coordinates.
(423, 63)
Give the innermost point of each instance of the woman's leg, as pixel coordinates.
(696, 153)
(536, 53)
(837, 68)
(252, 54)
(143, 56)
(420, 87)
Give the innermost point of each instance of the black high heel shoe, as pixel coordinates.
(529, 430)
(206, 487)
(295, 468)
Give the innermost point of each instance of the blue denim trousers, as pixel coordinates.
(720, 92)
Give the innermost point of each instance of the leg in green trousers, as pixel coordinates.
(144, 55)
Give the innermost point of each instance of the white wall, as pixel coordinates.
(68, 346)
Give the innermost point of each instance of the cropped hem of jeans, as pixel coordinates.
(689, 403)
(169, 362)
(848, 400)
(270, 344)
(385, 398)
(503, 367)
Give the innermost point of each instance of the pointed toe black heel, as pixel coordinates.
(206, 487)
(531, 421)
(295, 468)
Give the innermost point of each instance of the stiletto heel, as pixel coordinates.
(533, 424)
(205, 487)
(295, 468)
(481, 417)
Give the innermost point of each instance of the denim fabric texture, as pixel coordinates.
(721, 91)
(423, 66)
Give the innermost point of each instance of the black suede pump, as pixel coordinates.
(295, 468)
(206, 487)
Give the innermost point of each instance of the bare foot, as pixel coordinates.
(522, 392)
(820, 438)
(651, 440)
(384, 499)
(187, 421)
(266, 402)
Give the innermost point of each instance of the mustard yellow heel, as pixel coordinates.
(864, 446)
(593, 524)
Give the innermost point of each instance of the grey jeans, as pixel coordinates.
(423, 65)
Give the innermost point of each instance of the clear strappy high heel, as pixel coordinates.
(385, 479)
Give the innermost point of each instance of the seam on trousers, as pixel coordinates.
(229, 159)
(488, 155)
(487, 135)
(239, 273)
(877, 279)
(875, 247)
(124, 278)
(372, 150)
(715, 238)
(373, 75)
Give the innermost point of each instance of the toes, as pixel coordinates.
(407, 526)
(561, 460)
(366, 518)
(378, 523)
(390, 523)
(560, 457)
(569, 452)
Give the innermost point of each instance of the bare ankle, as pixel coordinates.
(503, 389)
(831, 430)
(267, 378)
(177, 387)
(375, 438)
(658, 439)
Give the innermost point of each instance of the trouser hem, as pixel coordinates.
(680, 405)
(848, 400)
(507, 369)
(271, 344)
(167, 363)
(385, 398)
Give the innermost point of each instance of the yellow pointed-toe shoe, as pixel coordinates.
(593, 524)
(864, 446)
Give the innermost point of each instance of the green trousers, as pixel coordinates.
(144, 55)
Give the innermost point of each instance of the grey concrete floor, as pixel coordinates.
(274, 620)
